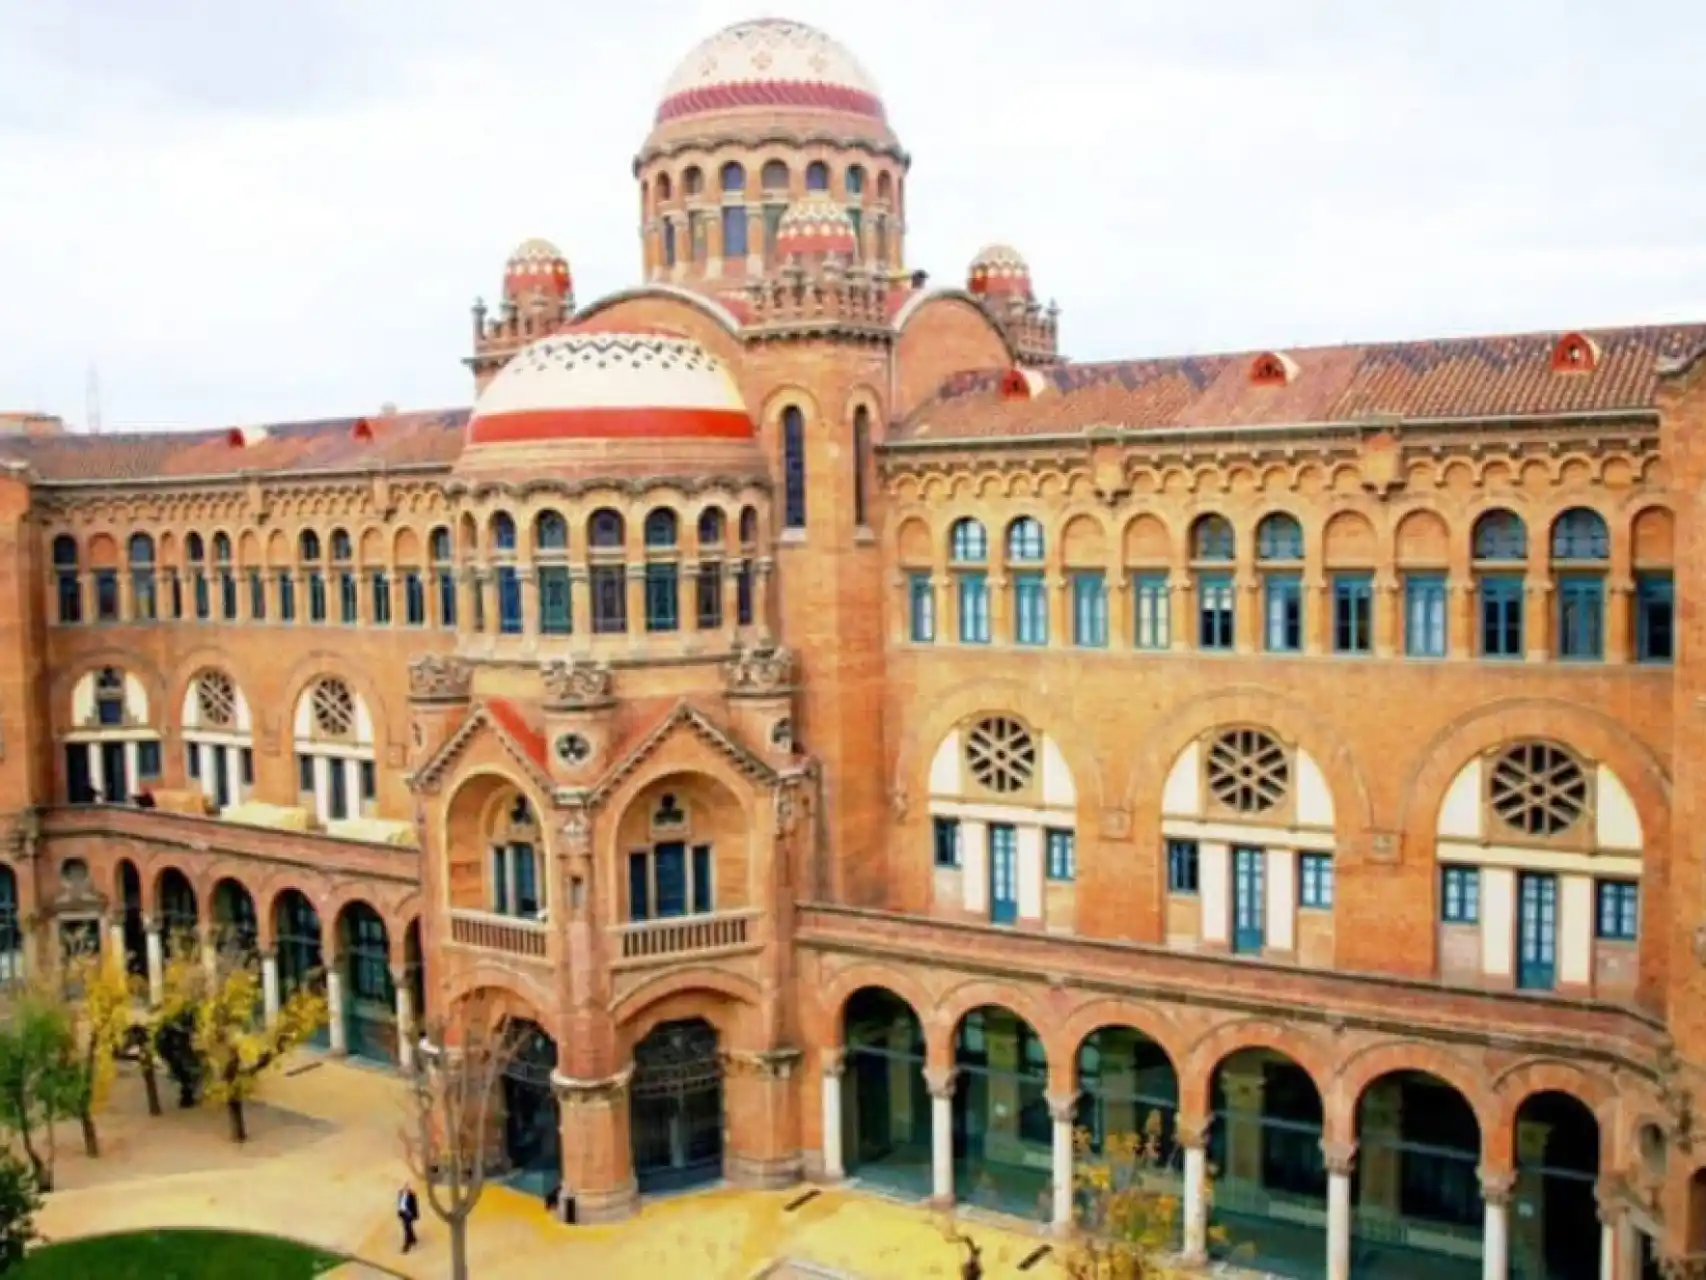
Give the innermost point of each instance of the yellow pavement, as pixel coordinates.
(324, 1164)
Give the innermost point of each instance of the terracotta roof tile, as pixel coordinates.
(515, 722)
(1451, 378)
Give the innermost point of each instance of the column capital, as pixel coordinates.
(940, 1081)
(1497, 1185)
(1191, 1133)
(832, 1062)
(1063, 1107)
(1339, 1157)
(604, 1089)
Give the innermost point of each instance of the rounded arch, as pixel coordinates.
(1353, 807)
(128, 661)
(846, 984)
(971, 994)
(693, 302)
(673, 996)
(321, 664)
(962, 701)
(914, 307)
(522, 995)
(1389, 1057)
(469, 805)
(1551, 719)
(1212, 1049)
(1520, 1081)
(1113, 1012)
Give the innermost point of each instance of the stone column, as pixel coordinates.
(210, 952)
(1462, 638)
(834, 1162)
(126, 596)
(1193, 1139)
(635, 585)
(1057, 586)
(598, 1158)
(1182, 609)
(335, 1030)
(1619, 620)
(1607, 1250)
(1495, 1244)
(1339, 1159)
(1002, 626)
(115, 959)
(1062, 1110)
(1246, 611)
(156, 963)
(763, 569)
(269, 986)
(580, 602)
(1387, 606)
(940, 1081)
(529, 586)
(1120, 611)
(1537, 619)
(465, 588)
(761, 1099)
(405, 1019)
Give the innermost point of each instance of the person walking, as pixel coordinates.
(408, 1213)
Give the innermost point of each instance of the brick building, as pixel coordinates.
(853, 741)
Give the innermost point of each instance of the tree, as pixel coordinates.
(1128, 1219)
(99, 1017)
(19, 1202)
(37, 1044)
(451, 1101)
(232, 1042)
(165, 1035)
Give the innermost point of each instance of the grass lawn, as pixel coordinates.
(176, 1255)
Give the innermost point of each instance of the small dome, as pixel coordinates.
(773, 64)
(597, 386)
(1000, 271)
(537, 266)
(816, 225)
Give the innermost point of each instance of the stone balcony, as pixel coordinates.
(649, 942)
(487, 931)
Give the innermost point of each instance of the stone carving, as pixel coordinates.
(435, 678)
(576, 685)
(577, 832)
(1381, 463)
(760, 671)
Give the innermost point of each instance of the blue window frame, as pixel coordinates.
(1501, 616)
(1618, 916)
(1214, 611)
(708, 594)
(1353, 613)
(554, 600)
(316, 597)
(1061, 850)
(1152, 614)
(70, 598)
(509, 601)
(793, 468)
(447, 598)
(1003, 873)
(968, 541)
(921, 608)
(1426, 628)
(1581, 617)
(257, 596)
(974, 608)
(1315, 881)
(381, 598)
(1183, 866)
(414, 598)
(106, 596)
(1460, 895)
(1654, 617)
(946, 840)
(1282, 609)
(1090, 610)
(1279, 537)
(1030, 609)
(203, 604)
(347, 598)
(663, 598)
(734, 231)
(286, 596)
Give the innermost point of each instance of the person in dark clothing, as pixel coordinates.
(408, 1213)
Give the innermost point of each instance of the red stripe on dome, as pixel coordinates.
(810, 94)
(524, 426)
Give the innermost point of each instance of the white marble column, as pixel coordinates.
(210, 952)
(1608, 1251)
(1062, 1110)
(405, 1021)
(352, 788)
(131, 752)
(156, 964)
(323, 789)
(941, 1084)
(269, 986)
(834, 1159)
(1339, 1158)
(1196, 1197)
(115, 957)
(335, 1029)
(1495, 1242)
(97, 770)
(234, 773)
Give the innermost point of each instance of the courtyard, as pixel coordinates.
(324, 1162)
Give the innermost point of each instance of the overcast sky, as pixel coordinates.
(243, 211)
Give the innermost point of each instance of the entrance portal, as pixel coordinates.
(533, 1132)
(677, 1107)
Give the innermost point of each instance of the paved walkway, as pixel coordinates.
(324, 1163)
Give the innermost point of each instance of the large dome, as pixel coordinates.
(592, 385)
(773, 63)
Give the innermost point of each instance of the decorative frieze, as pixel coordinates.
(761, 671)
(577, 684)
(439, 678)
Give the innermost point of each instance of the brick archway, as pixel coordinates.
(1110, 1013)
(727, 1001)
(1213, 1049)
(1517, 1084)
(1388, 1057)
(871, 974)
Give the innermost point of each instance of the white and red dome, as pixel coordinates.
(814, 226)
(537, 266)
(771, 63)
(999, 271)
(593, 385)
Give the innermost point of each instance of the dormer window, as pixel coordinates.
(1015, 385)
(1273, 369)
(1575, 353)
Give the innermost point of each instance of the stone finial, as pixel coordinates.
(435, 678)
(760, 671)
(576, 685)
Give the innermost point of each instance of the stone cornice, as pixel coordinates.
(769, 136)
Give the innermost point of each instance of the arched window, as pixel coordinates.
(663, 580)
(1212, 539)
(885, 187)
(503, 532)
(708, 584)
(1499, 544)
(774, 178)
(1279, 537)
(195, 553)
(343, 552)
(711, 525)
(793, 468)
(734, 233)
(817, 176)
(968, 551)
(194, 550)
(855, 181)
(749, 527)
(218, 738)
(551, 542)
(113, 745)
(516, 886)
(861, 466)
(550, 532)
(1025, 546)
(1581, 546)
(503, 541)
(335, 760)
(221, 548)
(1213, 543)
(1279, 542)
(733, 179)
(745, 606)
(1025, 541)
(968, 542)
(227, 575)
(439, 549)
(692, 181)
(308, 547)
(143, 604)
(664, 189)
(674, 874)
(69, 584)
(608, 575)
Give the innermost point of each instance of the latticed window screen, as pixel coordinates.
(216, 699)
(333, 709)
(1537, 789)
(1248, 771)
(1001, 754)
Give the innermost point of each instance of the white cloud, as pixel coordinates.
(263, 217)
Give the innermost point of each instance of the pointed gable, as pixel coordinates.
(683, 717)
(509, 724)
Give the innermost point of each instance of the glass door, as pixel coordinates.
(1248, 884)
(1003, 874)
(1537, 932)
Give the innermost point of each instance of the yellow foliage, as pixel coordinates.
(101, 1018)
(232, 1038)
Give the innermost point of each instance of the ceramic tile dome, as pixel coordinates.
(998, 269)
(813, 226)
(537, 266)
(595, 385)
(771, 63)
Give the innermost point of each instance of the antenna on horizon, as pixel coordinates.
(92, 401)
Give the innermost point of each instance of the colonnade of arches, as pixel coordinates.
(1418, 1188)
(373, 981)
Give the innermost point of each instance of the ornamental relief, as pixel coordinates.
(249, 504)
